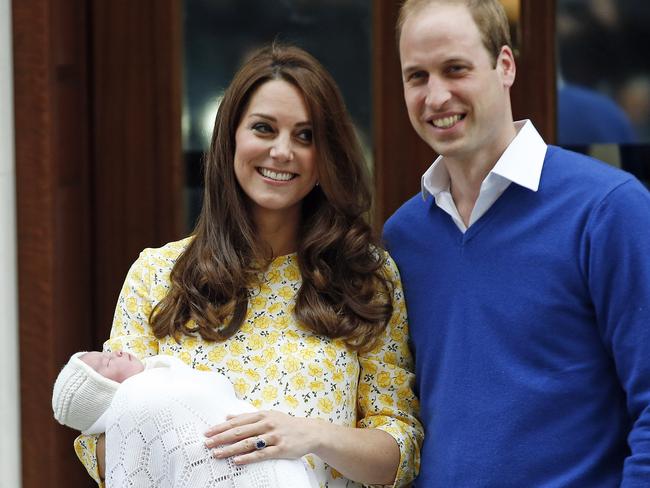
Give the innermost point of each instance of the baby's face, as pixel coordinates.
(116, 366)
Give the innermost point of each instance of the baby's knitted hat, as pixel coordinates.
(81, 395)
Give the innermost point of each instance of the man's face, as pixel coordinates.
(457, 101)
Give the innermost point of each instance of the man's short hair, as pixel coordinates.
(489, 15)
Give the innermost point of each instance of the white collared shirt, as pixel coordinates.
(520, 163)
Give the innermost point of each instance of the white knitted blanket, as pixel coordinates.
(154, 433)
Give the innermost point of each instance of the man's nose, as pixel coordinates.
(438, 93)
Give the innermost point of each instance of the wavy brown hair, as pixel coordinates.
(344, 292)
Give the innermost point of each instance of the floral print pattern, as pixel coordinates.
(276, 363)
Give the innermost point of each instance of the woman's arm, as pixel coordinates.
(101, 456)
(385, 396)
(85, 447)
(369, 456)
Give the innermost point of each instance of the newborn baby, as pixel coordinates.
(154, 413)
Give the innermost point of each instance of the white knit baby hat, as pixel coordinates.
(81, 395)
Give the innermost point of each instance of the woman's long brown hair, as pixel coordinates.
(344, 293)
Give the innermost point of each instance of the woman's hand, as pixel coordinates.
(252, 437)
(369, 456)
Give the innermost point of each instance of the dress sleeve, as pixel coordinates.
(130, 332)
(386, 399)
(617, 267)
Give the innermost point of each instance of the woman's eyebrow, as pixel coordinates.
(263, 116)
(274, 119)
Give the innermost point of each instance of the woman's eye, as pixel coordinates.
(305, 135)
(262, 128)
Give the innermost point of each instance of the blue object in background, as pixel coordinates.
(587, 117)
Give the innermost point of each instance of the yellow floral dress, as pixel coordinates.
(275, 363)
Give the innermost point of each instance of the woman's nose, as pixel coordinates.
(281, 149)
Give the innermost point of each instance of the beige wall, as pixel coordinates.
(9, 390)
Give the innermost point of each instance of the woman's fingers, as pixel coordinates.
(270, 452)
(260, 445)
(234, 435)
(263, 435)
(233, 422)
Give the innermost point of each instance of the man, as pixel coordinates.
(526, 270)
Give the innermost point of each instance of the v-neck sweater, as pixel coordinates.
(531, 331)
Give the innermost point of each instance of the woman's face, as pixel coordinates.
(275, 156)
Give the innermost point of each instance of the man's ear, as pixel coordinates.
(506, 66)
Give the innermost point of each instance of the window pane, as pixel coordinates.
(604, 80)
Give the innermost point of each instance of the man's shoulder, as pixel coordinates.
(581, 172)
(585, 183)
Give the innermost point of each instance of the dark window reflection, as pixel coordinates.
(604, 81)
(220, 33)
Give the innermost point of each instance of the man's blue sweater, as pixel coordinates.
(531, 332)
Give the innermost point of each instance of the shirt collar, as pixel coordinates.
(520, 163)
(435, 179)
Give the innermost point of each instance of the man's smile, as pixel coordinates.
(446, 122)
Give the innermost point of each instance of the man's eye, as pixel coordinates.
(456, 69)
(416, 76)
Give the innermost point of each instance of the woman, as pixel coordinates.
(282, 287)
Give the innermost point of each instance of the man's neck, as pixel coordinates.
(467, 174)
(465, 186)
